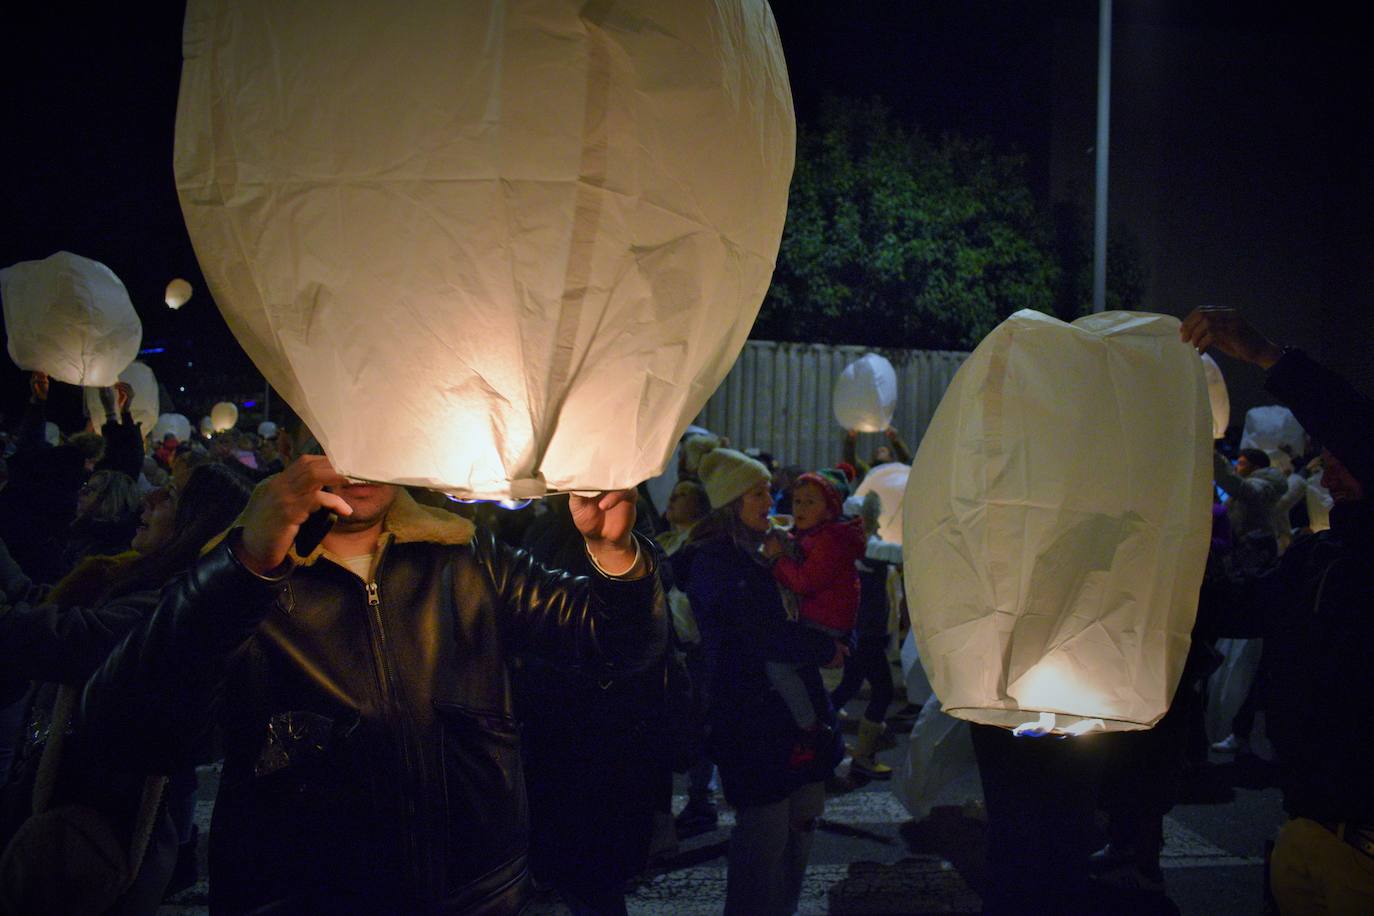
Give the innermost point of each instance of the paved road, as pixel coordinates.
(1212, 859)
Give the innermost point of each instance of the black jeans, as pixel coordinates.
(869, 662)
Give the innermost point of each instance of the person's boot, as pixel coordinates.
(864, 760)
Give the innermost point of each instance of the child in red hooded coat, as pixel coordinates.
(825, 582)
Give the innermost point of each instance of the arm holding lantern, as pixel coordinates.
(123, 440)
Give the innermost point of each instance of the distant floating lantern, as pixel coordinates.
(207, 427)
(70, 317)
(535, 291)
(865, 396)
(223, 416)
(267, 429)
(146, 404)
(1057, 522)
(178, 293)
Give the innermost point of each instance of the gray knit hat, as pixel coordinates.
(727, 474)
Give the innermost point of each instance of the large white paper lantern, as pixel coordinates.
(176, 424)
(70, 317)
(1057, 523)
(865, 396)
(1217, 396)
(178, 293)
(146, 403)
(889, 482)
(493, 248)
(223, 416)
(1272, 428)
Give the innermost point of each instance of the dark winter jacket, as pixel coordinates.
(743, 625)
(372, 761)
(825, 579)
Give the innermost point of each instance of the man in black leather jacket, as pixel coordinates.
(372, 762)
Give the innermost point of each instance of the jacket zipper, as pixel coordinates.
(374, 602)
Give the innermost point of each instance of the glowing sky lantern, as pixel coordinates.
(889, 481)
(1057, 524)
(178, 293)
(146, 402)
(207, 426)
(493, 248)
(1217, 396)
(865, 396)
(223, 416)
(70, 317)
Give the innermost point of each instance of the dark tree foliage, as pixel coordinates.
(897, 240)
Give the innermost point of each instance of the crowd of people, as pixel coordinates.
(424, 705)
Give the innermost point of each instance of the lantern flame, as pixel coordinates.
(1048, 724)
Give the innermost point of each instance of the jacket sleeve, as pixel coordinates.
(820, 569)
(153, 700)
(49, 643)
(616, 625)
(1328, 407)
(123, 447)
(1226, 477)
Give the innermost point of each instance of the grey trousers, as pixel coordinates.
(768, 851)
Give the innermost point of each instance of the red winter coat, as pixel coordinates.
(825, 580)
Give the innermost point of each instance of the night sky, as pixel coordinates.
(90, 99)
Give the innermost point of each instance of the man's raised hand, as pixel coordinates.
(1227, 330)
(281, 504)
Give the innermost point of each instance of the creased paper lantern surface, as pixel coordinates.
(1057, 522)
(70, 317)
(889, 481)
(1217, 396)
(176, 424)
(178, 293)
(490, 248)
(146, 403)
(223, 416)
(865, 396)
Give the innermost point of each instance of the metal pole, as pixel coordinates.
(1104, 107)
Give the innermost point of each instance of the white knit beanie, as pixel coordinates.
(727, 474)
(694, 448)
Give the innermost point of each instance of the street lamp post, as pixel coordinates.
(1104, 107)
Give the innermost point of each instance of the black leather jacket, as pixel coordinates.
(372, 761)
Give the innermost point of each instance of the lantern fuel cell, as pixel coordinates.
(495, 249)
(1057, 521)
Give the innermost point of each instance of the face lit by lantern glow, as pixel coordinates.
(754, 506)
(370, 503)
(809, 507)
(1338, 480)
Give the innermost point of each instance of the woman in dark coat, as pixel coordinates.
(744, 624)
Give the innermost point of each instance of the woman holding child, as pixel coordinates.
(742, 613)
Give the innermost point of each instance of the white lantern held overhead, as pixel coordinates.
(1274, 430)
(176, 424)
(70, 317)
(146, 399)
(1218, 396)
(889, 482)
(223, 416)
(207, 427)
(178, 293)
(495, 249)
(1057, 523)
(865, 396)
(267, 429)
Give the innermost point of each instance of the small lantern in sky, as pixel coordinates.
(207, 427)
(889, 482)
(223, 416)
(178, 293)
(1057, 524)
(1218, 396)
(70, 317)
(146, 401)
(865, 395)
(496, 249)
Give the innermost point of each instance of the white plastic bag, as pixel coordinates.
(70, 317)
(1057, 522)
(146, 403)
(865, 396)
(492, 248)
(939, 767)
